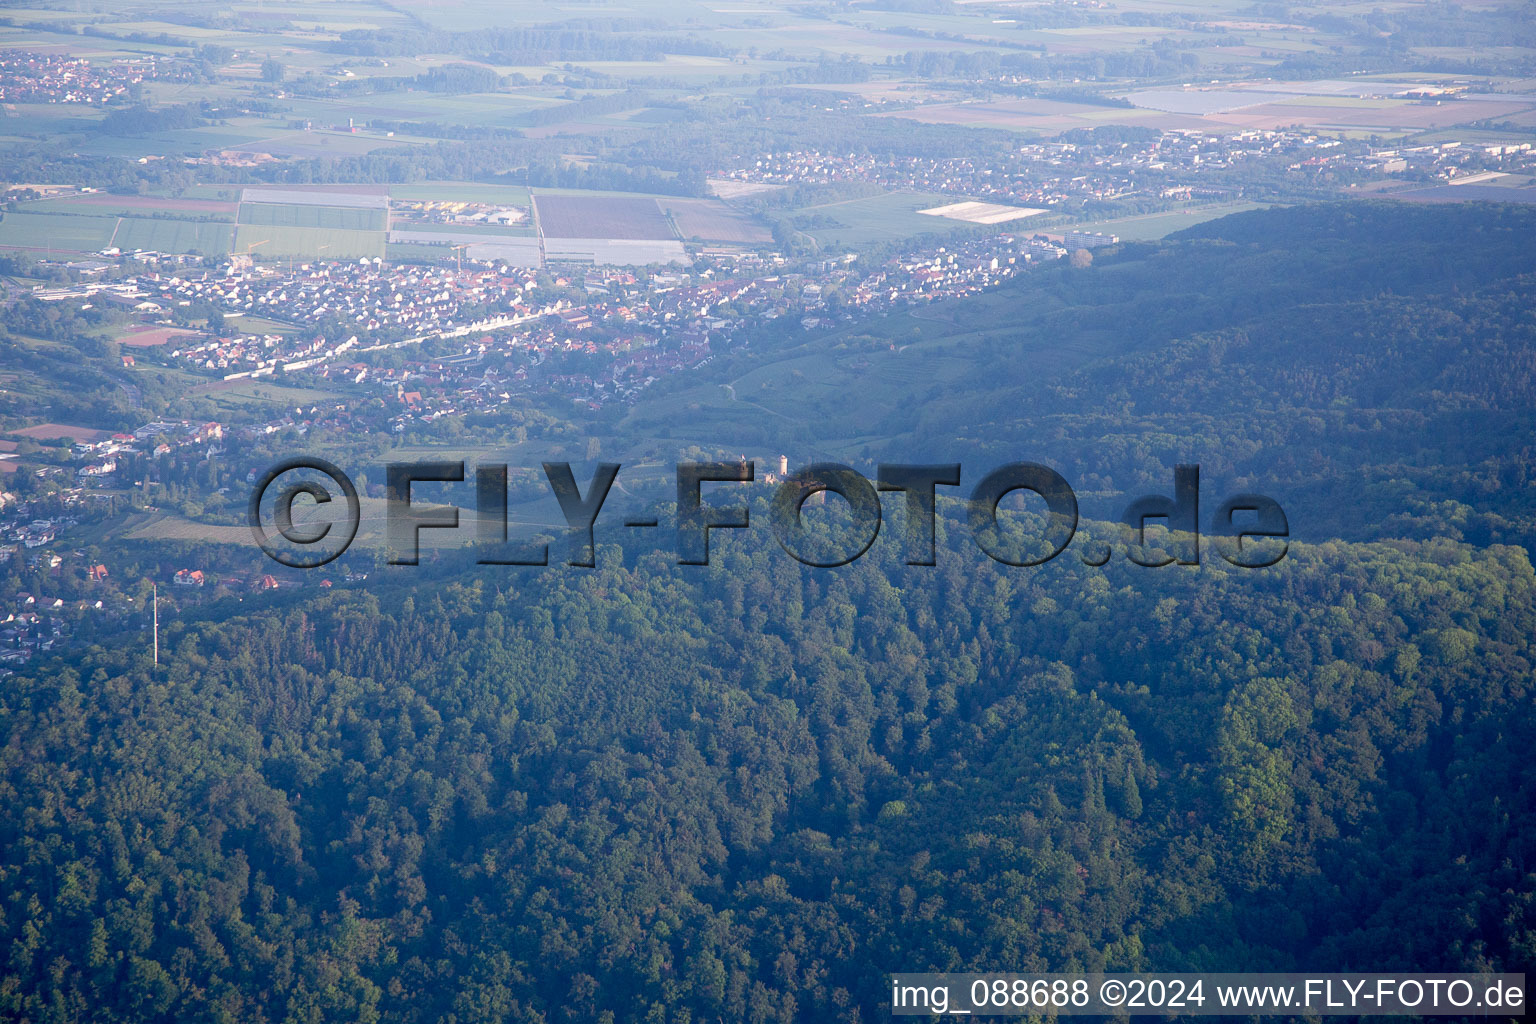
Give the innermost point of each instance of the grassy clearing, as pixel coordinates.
(262, 392)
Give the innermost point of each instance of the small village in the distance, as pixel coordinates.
(384, 316)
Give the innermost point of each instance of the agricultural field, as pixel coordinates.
(592, 216)
(337, 222)
(178, 142)
(89, 223)
(491, 110)
(726, 188)
(174, 236)
(307, 216)
(1151, 226)
(146, 336)
(307, 242)
(318, 143)
(1489, 191)
(1370, 114)
(44, 232)
(101, 204)
(230, 194)
(348, 221)
(1374, 103)
(708, 220)
(1042, 116)
(891, 217)
(62, 431)
(1323, 105)
(361, 196)
(249, 324)
(1199, 102)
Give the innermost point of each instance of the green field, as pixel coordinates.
(88, 233)
(36, 119)
(267, 240)
(228, 193)
(328, 217)
(47, 231)
(462, 191)
(190, 141)
(262, 390)
(1149, 226)
(326, 143)
(249, 324)
(174, 236)
(109, 206)
(884, 218)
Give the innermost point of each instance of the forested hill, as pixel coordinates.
(1372, 365)
(748, 792)
(751, 791)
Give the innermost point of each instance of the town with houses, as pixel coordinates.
(408, 344)
(1119, 164)
(468, 339)
(28, 77)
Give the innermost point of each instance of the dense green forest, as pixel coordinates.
(750, 792)
(747, 792)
